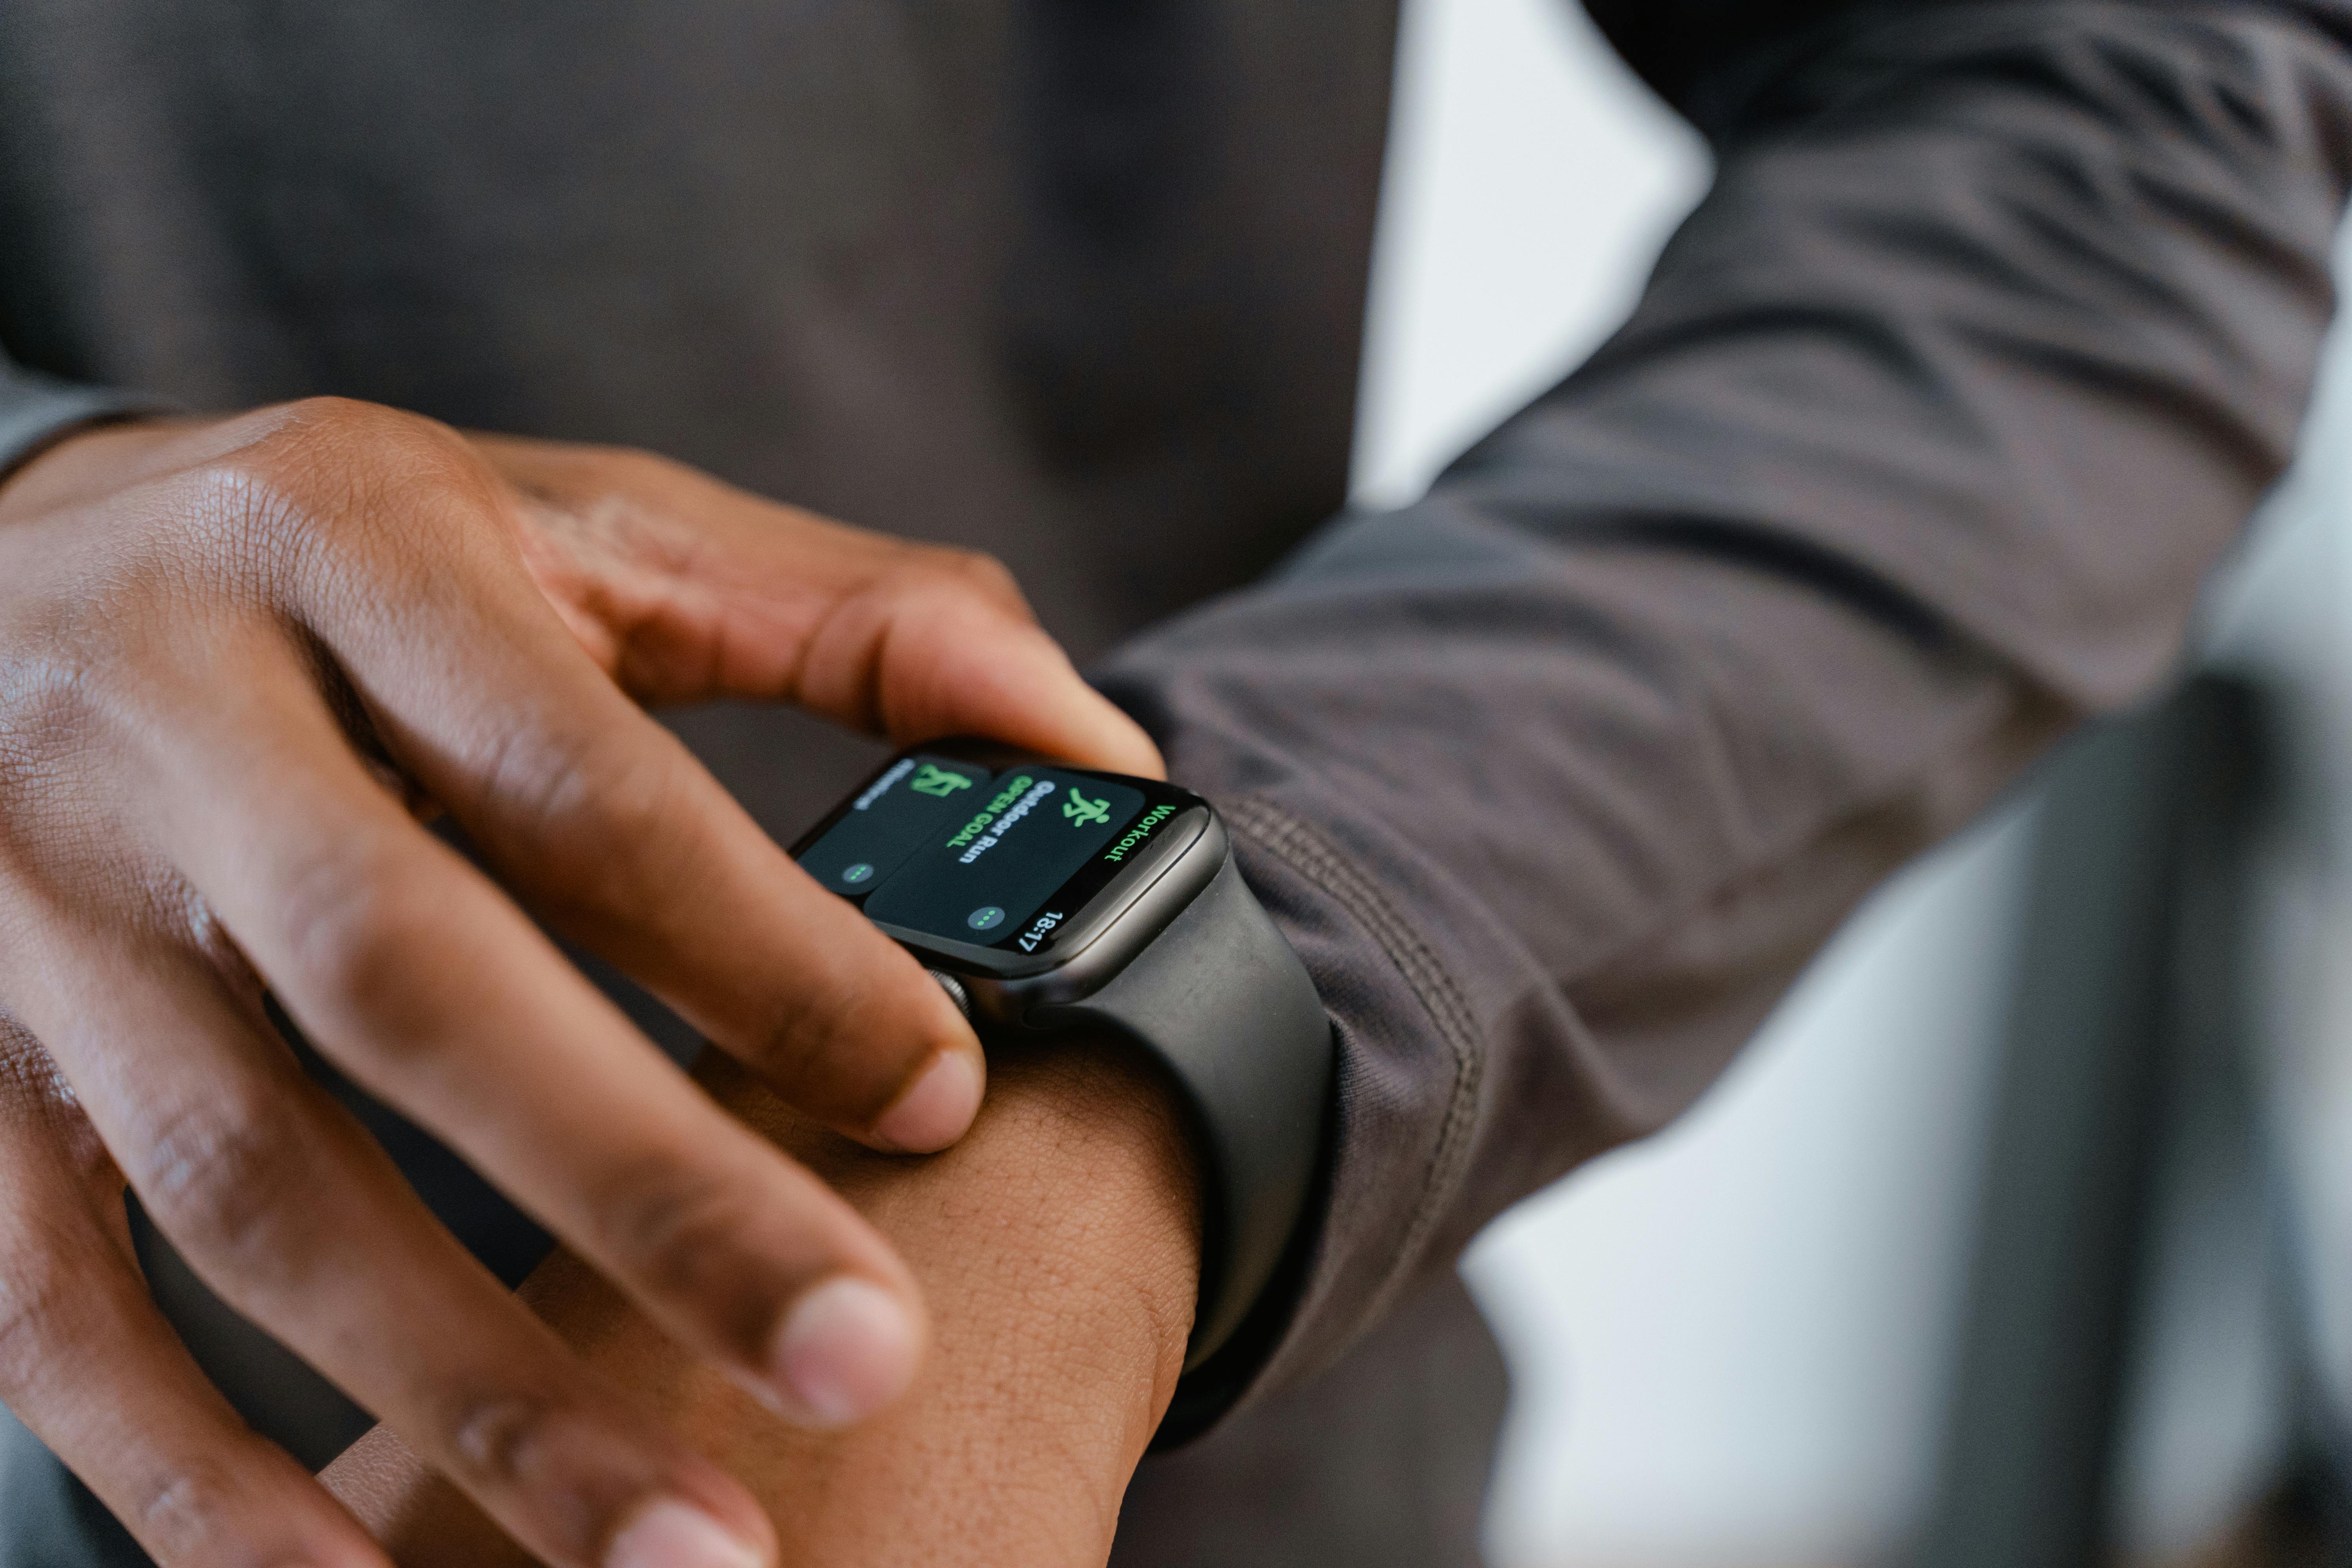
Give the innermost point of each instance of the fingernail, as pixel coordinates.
(847, 1349)
(938, 1108)
(674, 1535)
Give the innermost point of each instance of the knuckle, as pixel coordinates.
(321, 469)
(824, 1032)
(222, 1178)
(496, 1435)
(970, 573)
(361, 925)
(600, 807)
(277, 467)
(678, 1231)
(304, 423)
(569, 1454)
(634, 467)
(188, 1506)
(350, 426)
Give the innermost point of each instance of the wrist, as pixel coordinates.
(1058, 1247)
(1058, 1243)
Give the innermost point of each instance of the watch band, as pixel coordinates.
(1221, 1001)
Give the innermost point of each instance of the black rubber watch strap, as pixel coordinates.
(1220, 998)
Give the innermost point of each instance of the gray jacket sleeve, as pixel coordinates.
(36, 409)
(1998, 322)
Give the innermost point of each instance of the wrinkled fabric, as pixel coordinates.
(1918, 449)
(1998, 320)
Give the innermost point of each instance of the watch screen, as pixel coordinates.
(889, 820)
(954, 850)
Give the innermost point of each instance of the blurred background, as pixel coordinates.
(1765, 1339)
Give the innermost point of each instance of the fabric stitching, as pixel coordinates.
(1299, 847)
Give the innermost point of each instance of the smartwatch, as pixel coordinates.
(1052, 901)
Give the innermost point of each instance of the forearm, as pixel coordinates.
(1057, 1244)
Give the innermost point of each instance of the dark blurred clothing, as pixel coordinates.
(1999, 321)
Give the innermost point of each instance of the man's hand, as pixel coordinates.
(1059, 1243)
(237, 661)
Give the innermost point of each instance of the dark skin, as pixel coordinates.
(1060, 1245)
(239, 659)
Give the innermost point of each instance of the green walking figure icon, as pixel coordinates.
(1082, 810)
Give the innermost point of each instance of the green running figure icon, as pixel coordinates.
(934, 780)
(1082, 810)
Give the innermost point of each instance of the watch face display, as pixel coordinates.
(987, 857)
(889, 820)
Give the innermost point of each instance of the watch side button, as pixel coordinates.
(954, 988)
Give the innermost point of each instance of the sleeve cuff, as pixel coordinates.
(35, 410)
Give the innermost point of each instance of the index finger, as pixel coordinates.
(612, 830)
(598, 816)
(687, 589)
(410, 970)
